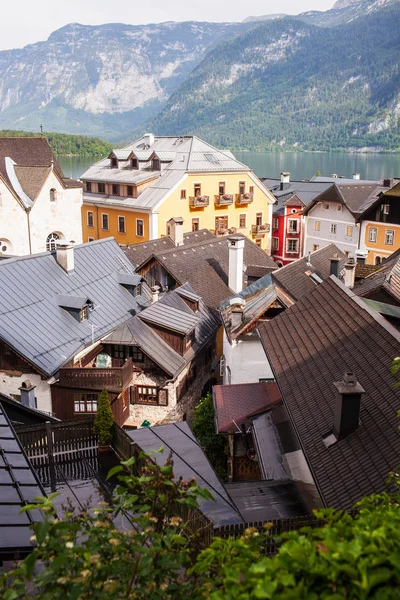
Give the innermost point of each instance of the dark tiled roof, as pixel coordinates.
(198, 236)
(294, 201)
(33, 323)
(354, 196)
(294, 277)
(20, 414)
(18, 487)
(310, 346)
(363, 271)
(205, 266)
(305, 190)
(236, 403)
(374, 282)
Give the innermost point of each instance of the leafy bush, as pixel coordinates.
(215, 446)
(104, 420)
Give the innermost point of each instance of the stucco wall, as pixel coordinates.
(13, 224)
(324, 237)
(9, 384)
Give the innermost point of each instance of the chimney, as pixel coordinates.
(155, 291)
(237, 306)
(176, 230)
(356, 176)
(387, 182)
(347, 406)
(350, 273)
(361, 257)
(334, 270)
(28, 397)
(236, 246)
(334, 175)
(65, 255)
(148, 139)
(285, 178)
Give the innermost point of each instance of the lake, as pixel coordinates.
(301, 165)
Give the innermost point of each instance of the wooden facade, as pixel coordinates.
(11, 361)
(63, 399)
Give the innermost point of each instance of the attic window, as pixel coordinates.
(114, 163)
(53, 195)
(155, 164)
(134, 163)
(84, 313)
(325, 206)
(211, 158)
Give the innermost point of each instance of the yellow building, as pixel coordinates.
(380, 226)
(133, 192)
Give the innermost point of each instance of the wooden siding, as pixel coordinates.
(63, 404)
(175, 340)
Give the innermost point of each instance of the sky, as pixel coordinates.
(29, 21)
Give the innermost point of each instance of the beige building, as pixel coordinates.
(38, 205)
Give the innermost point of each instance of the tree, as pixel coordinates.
(203, 426)
(104, 420)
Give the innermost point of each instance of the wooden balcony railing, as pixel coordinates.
(199, 201)
(244, 198)
(224, 199)
(260, 229)
(91, 378)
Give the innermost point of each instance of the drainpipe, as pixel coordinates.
(97, 221)
(29, 231)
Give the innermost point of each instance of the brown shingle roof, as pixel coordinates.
(310, 346)
(235, 404)
(353, 196)
(32, 179)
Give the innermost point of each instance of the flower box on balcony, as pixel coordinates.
(224, 199)
(199, 201)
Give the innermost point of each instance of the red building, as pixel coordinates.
(287, 230)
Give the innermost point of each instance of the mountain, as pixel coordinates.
(102, 80)
(291, 83)
(345, 11)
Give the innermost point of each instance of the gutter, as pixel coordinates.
(29, 230)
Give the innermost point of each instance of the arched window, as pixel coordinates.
(5, 246)
(52, 240)
(53, 195)
(378, 260)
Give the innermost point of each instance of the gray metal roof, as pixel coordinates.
(121, 154)
(186, 294)
(33, 323)
(130, 279)
(189, 462)
(305, 190)
(76, 302)
(170, 318)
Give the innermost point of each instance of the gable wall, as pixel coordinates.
(13, 223)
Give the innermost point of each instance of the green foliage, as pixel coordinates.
(62, 143)
(104, 420)
(203, 426)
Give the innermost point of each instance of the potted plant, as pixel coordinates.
(104, 421)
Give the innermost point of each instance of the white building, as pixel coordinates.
(38, 205)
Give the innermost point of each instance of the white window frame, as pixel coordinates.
(119, 230)
(275, 223)
(288, 242)
(349, 228)
(372, 233)
(138, 234)
(290, 228)
(388, 232)
(90, 212)
(315, 225)
(339, 208)
(198, 223)
(102, 222)
(245, 219)
(275, 244)
(325, 205)
(386, 209)
(333, 228)
(315, 247)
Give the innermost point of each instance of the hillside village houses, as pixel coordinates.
(133, 193)
(38, 204)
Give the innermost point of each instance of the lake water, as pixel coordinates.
(300, 165)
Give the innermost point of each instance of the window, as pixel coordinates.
(130, 190)
(333, 228)
(121, 225)
(183, 194)
(349, 231)
(146, 394)
(51, 241)
(275, 222)
(293, 211)
(339, 207)
(114, 163)
(90, 239)
(84, 313)
(242, 187)
(258, 242)
(101, 188)
(315, 247)
(168, 229)
(242, 221)
(90, 220)
(156, 164)
(385, 209)
(221, 188)
(115, 189)
(137, 355)
(317, 225)
(88, 186)
(378, 260)
(251, 189)
(197, 190)
(347, 253)
(4, 246)
(53, 195)
(104, 221)
(85, 402)
(372, 234)
(275, 244)
(140, 227)
(221, 223)
(134, 163)
(389, 237)
(325, 206)
(259, 218)
(293, 225)
(292, 246)
(195, 224)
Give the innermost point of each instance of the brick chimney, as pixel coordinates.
(334, 269)
(350, 273)
(28, 397)
(65, 255)
(347, 406)
(236, 248)
(176, 230)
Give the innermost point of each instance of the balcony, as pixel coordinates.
(91, 378)
(223, 199)
(244, 198)
(261, 229)
(199, 201)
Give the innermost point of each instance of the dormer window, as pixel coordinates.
(53, 195)
(88, 186)
(134, 163)
(155, 164)
(114, 163)
(84, 313)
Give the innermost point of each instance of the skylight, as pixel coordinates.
(211, 158)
